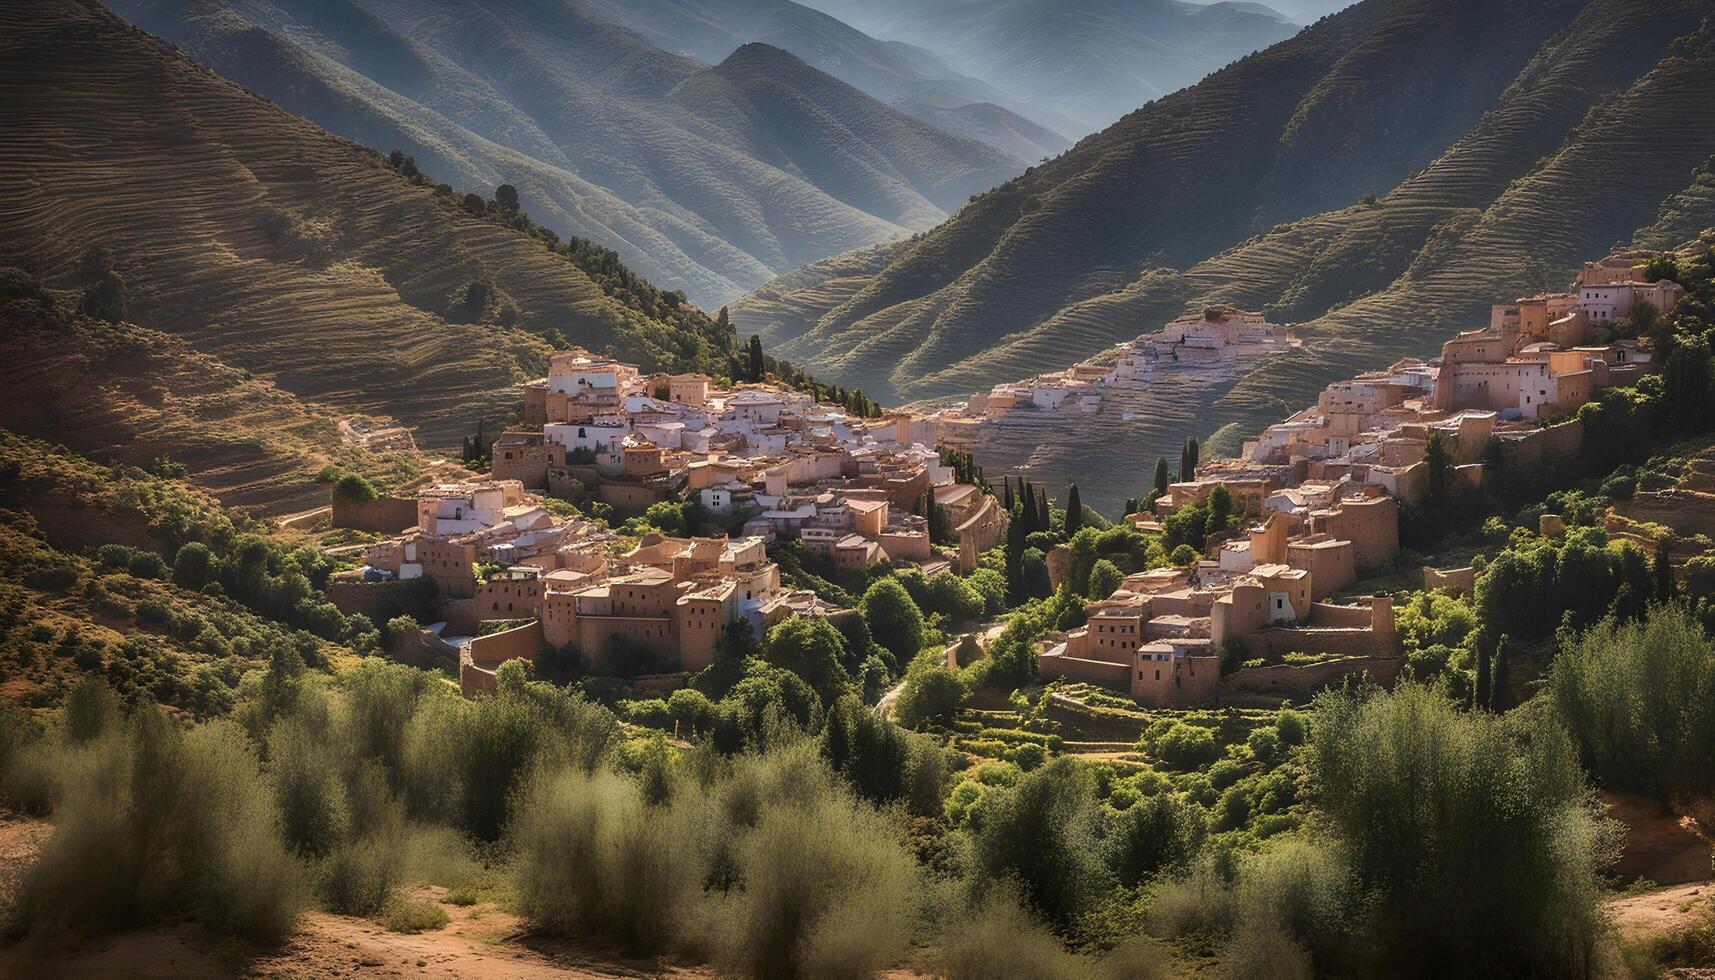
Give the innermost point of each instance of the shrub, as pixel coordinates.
(828, 892)
(1041, 833)
(406, 915)
(931, 694)
(594, 860)
(1185, 746)
(153, 822)
(1472, 840)
(353, 488)
(1156, 833)
(1639, 698)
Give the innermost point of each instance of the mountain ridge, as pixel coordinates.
(571, 109)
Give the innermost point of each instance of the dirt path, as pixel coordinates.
(1664, 910)
(479, 942)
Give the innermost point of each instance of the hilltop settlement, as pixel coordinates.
(763, 461)
(1314, 502)
(1323, 491)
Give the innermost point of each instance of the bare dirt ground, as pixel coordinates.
(1666, 847)
(1661, 911)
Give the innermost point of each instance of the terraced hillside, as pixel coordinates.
(121, 393)
(273, 246)
(578, 113)
(905, 76)
(1071, 257)
(1088, 61)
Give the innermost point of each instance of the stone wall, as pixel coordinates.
(1458, 580)
(485, 654)
(1300, 682)
(356, 598)
(1116, 676)
(383, 515)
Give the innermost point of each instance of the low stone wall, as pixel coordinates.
(1351, 641)
(383, 515)
(355, 598)
(1458, 580)
(1116, 676)
(485, 654)
(1299, 682)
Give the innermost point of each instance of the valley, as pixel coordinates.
(1270, 536)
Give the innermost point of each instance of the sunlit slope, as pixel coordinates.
(579, 114)
(113, 139)
(119, 392)
(1354, 104)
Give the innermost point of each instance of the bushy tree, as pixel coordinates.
(1639, 699)
(894, 619)
(1474, 844)
(812, 648)
(931, 694)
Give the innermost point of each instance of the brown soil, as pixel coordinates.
(479, 942)
(1661, 845)
(1659, 912)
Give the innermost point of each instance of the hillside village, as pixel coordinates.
(1323, 492)
(766, 461)
(416, 557)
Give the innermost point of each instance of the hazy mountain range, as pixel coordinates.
(1084, 62)
(605, 136)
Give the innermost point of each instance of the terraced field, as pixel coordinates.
(264, 241)
(599, 130)
(1246, 188)
(118, 392)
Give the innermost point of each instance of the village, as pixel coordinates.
(1323, 493)
(1320, 495)
(767, 462)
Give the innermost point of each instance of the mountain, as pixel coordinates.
(579, 114)
(1559, 130)
(1308, 11)
(1088, 61)
(905, 76)
(284, 251)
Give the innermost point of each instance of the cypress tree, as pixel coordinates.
(1161, 476)
(1185, 461)
(1044, 516)
(754, 350)
(1074, 512)
(1483, 658)
(1501, 694)
(1195, 452)
(1006, 501)
(1662, 569)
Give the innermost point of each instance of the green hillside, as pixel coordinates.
(284, 251)
(1246, 188)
